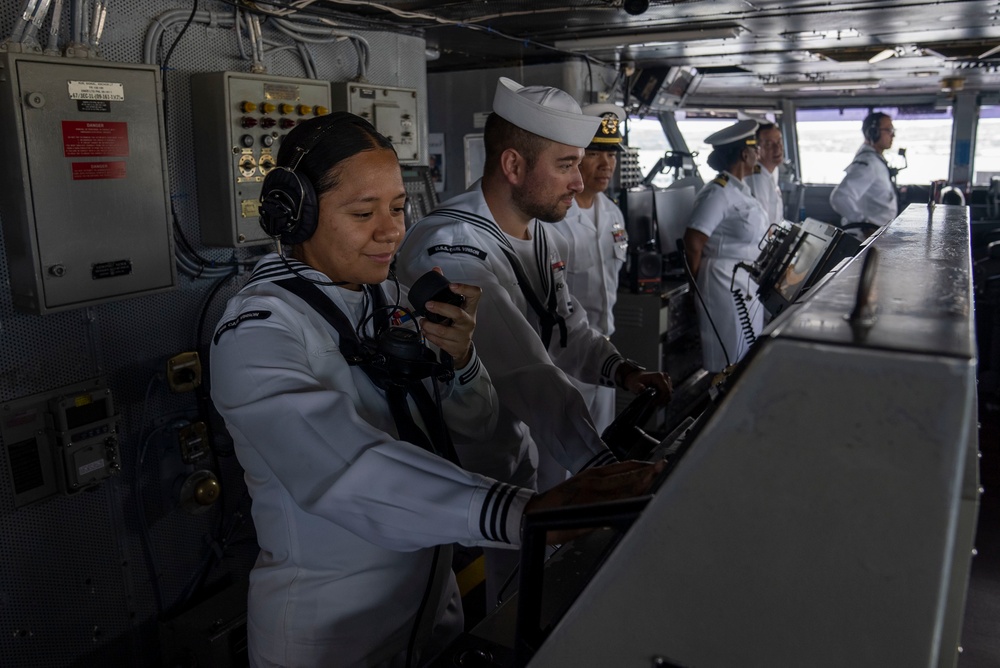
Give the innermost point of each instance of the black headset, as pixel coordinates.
(870, 126)
(288, 205)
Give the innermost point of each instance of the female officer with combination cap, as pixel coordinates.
(726, 227)
(352, 488)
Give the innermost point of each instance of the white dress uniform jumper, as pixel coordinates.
(341, 504)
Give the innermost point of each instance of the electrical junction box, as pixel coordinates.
(64, 440)
(239, 121)
(393, 112)
(85, 196)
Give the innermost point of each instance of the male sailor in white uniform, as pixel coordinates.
(764, 180)
(529, 331)
(594, 231)
(866, 197)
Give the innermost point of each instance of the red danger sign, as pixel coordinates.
(85, 171)
(95, 139)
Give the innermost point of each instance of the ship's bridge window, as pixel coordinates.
(647, 135)
(987, 157)
(829, 138)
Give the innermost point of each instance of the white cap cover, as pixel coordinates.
(602, 108)
(545, 111)
(741, 130)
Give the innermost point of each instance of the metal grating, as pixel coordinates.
(76, 586)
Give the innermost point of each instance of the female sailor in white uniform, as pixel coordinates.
(726, 227)
(342, 421)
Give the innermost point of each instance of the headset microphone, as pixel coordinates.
(399, 354)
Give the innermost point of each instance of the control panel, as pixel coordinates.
(421, 198)
(239, 121)
(393, 112)
(64, 440)
(85, 197)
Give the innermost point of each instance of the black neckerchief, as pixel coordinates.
(548, 315)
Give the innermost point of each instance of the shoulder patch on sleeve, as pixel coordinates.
(238, 320)
(467, 250)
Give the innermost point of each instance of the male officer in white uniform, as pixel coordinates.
(764, 180)
(866, 198)
(529, 332)
(594, 231)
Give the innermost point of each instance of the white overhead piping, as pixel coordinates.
(987, 54)
(52, 45)
(257, 66)
(84, 24)
(314, 34)
(76, 21)
(27, 12)
(97, 29)
(36, 23)
(259, 41)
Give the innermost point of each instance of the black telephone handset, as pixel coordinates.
(433, 287)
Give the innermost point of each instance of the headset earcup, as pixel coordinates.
(308, 219)
(288, 207)
(872, 131)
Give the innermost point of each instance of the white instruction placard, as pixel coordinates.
(96, 90)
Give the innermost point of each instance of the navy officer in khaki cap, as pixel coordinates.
(530, 334)
(725, 228)
(594, 231)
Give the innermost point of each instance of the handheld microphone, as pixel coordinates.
(433, 287)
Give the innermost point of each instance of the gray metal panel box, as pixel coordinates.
(393, 112)
(239, 122)
(85, 210)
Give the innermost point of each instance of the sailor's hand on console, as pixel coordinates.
(599, 484)
(454, 334)
(639, 379)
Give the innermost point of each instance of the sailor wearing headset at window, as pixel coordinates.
(329, 396)
(866, 197)
(725, 228)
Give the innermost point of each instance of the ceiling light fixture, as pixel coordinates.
(821, 34)
(884, 54)
(776, 87)
(649, 39)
